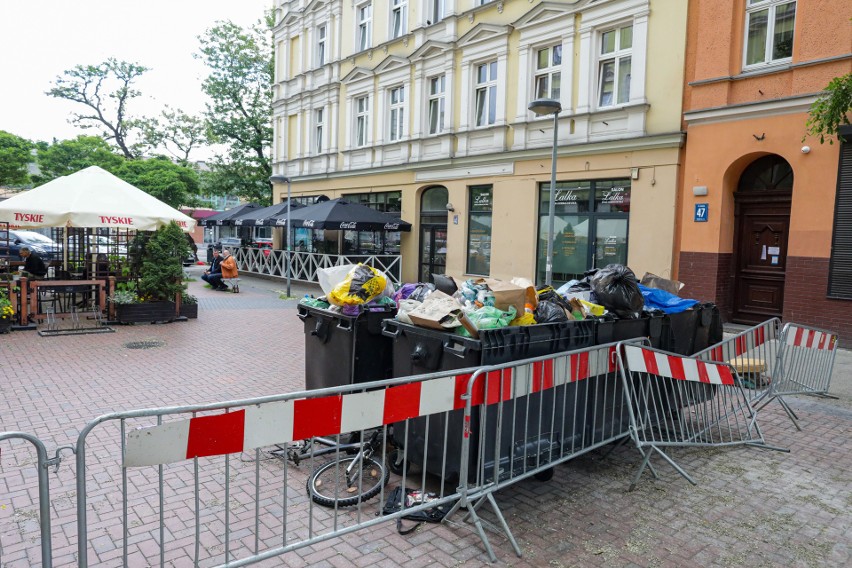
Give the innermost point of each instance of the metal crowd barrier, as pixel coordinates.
(753, 353)
(680, 401)
(805, 363)
(42, 463)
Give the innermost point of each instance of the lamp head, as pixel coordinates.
(543, 107)
(277, 178)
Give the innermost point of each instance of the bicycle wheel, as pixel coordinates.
(328, 485)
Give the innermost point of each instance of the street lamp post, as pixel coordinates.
(273, 179)
(543, 107)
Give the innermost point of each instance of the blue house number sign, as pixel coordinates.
(701, 212)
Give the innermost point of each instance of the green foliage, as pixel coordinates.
(188, 299)
(240, 114)
(176, 132)
(105, 90)
(831, 110)
(68, 156)
(14, 157)
(162, 267)
(169, 182)
(124, 296)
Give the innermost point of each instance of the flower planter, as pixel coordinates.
(145, 312)
(189, 311)
(5, 325)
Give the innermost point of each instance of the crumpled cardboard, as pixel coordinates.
(443, 312)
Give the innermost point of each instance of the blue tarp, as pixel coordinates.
(662, 300)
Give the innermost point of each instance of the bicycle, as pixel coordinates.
(359, 476)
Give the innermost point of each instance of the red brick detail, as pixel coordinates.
(805, 301)
(707, 277)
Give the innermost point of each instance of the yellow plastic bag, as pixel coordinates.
(362, 284)
(526, 319)
(591, 308)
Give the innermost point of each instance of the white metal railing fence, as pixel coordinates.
(304, 265)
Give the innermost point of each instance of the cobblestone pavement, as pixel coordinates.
(751, 507)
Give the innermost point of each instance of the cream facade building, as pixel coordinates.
(420, 107)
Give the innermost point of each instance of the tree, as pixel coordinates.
(176, 132)
(106, 90)
(68, 156)
(240, 111)
(831, 109)
(162, 264)
(171, 183)
(14, 158)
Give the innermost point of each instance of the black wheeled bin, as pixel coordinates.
(693, 330)
(608, 396)
(532, 424)
(342, 350)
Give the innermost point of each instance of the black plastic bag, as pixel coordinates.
(413, 498)
(421, 292)
(549, 312)
(616, 289)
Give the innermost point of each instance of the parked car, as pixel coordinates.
(229, 242)
(265, 245)
(12, 241)
(101, 244)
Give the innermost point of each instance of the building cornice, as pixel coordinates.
(751, 110)
(769, 70)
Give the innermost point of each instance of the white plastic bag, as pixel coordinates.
(330, 277)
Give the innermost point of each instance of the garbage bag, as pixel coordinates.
(489, 317)
(406, 306)
(662, 300)
(445, 284)
(549, 312)
(421, 292)
(616, 289)
(404, 292)
(362, 284)
(475, 292)
(526, 319)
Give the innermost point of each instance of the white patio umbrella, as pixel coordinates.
(90, 198)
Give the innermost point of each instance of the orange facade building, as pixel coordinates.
(765, 215)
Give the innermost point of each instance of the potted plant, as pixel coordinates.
(6, 313)
(158, 260)
(188, 306)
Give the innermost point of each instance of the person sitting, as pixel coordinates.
(213, 275)
(33, 263)
(229, 267)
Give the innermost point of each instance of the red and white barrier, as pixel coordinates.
(299, 419)
(661, 364)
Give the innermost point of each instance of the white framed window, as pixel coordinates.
(362, 121)
(482, 2)
(437, 103)
(486, 94)
(548, 78)
(322, 43)
(364, 18)
(614, 68)
(396, 107)
(769, 31)
(319, 124)
(434, 11)
(399, 18)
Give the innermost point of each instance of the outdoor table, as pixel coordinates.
(64, 294)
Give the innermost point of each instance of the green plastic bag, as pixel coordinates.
(489, 317)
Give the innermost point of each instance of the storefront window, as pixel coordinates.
(590, 227)
(479, 230)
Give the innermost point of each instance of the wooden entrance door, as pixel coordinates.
(762, 230)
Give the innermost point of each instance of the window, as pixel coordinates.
(374, 242)
(437, 85)
(479, 230)
(436, 12)
(547, 75)
(397, 112)
(482, 2)
(769, 31)
(614, 68)
(590, 227)
(362, 121)
(318, 126)
(385, 201)
(364, 17)
(486, 93)
(321, 42)
(399, 18)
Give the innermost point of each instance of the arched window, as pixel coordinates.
(770, 173)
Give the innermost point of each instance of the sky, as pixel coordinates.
(39, 39)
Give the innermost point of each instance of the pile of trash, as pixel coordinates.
(467, 306)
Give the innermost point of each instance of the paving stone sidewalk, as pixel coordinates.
(751, 507)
